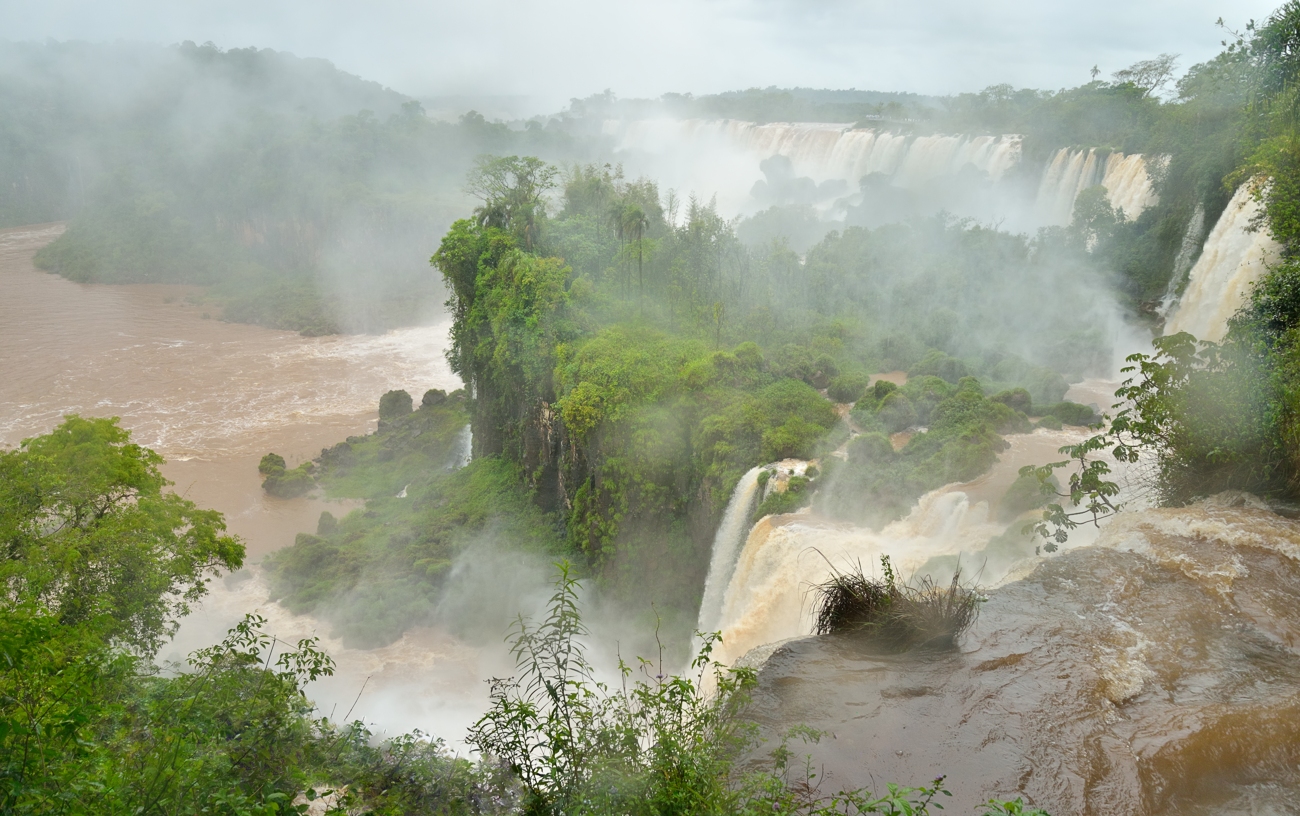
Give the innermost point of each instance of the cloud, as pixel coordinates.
(551, 51)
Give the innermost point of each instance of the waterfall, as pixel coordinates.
(1071, 171)
(731, 532)
(1183, 263)
(767, 596)
(824, 151)
(784, 556)
(1233, 258)
(466, 452)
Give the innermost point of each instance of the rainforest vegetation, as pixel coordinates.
(1218, 416)
(300, 196)
(628, 355)
(101, 563)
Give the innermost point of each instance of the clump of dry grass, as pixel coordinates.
(897, 615)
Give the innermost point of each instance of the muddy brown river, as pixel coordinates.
(212, 398)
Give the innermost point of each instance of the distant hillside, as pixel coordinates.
(305, 197)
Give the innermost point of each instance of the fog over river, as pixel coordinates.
(212, 398)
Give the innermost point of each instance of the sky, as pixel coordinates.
(544, 53)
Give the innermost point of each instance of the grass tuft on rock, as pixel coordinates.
(899, 616)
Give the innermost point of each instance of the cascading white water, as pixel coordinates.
(466, 448)
(823, 151)
(783, 557)
(1183, 263)
(726, 543)
(1233, 258)
(1071, 171)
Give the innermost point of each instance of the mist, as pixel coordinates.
(696, 309)
(491, 49)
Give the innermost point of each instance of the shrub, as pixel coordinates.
(937, 364)
(848, 387)
(870, 447)
(1025, 494)
(1016, 398)
(896, 615)
(271, 463)
(394, 405)
(432, 397)
(797, 494)
(897, 412)
(288, 484)
(1070, 413)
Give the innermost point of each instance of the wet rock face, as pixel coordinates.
(1156, 673)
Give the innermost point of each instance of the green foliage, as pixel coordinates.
(405, 548)
(89, 730)
(848, 387)
(1207, 412)
(271, 463)
(394, 405)
(1026, 493)
(878, 484)
(287, 483)
(893, 614)
(937, 364)
(797, 494)
(657, 744)
(1071, 413)
(88, 531)
(896, 412)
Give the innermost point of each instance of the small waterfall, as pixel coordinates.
(1183, 263)
(766, 599)
(466, 448)
(1233, 258)
(1071, 171)
(726, 542)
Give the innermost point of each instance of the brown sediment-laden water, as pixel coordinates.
(212, 398)
(1154, 672)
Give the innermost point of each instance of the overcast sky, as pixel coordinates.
(552, 51)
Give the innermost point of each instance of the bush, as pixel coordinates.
(432, 397)
(797, 494)
(897, 412)
(394, 405)
(937, 364)
(1015, 398)
(895, 615)
(288, 484)
(1025, 494)
(848, 387)
(271, 463)
(1070, 413)
(871, 447)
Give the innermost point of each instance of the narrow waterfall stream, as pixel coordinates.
(726, 545)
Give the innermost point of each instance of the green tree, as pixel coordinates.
(87, 530)
(513, 191)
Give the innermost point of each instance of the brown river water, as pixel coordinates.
(212, 398)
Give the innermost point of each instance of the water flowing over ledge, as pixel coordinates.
(1234, 256)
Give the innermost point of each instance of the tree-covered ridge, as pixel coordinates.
(634, 358)
(304, 197)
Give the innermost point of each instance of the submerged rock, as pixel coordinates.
(1155, 673)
